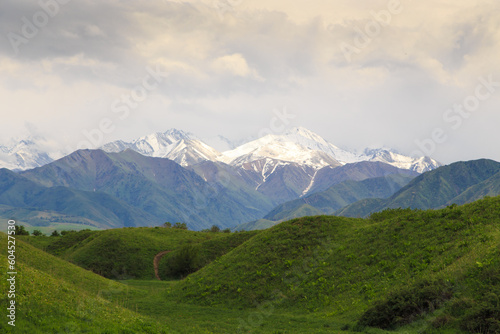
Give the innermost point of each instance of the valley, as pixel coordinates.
(318, 274)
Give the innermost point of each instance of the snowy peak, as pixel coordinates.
(297, 145)
(24, 154)
(391, 157)
(182, 147)
(305, 136)
(278, 148)
(302, 146)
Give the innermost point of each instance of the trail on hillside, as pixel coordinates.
(156, 261)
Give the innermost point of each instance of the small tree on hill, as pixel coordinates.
(183, 262)
(37, 233)
(180, 226)
(167, 225)
(20, 230)
(226, 230)
(215, 229)
(55, 234)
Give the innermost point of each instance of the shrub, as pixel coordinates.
(180, 226)
(404, 306)
(484, 318)
(183, 262)
(20, 230)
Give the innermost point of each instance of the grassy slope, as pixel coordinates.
(260, 224)
(120, 253)
(335, 266)
(54, 296)
(208, 251)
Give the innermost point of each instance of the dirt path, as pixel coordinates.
(156, 261)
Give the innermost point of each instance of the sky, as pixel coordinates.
(422, 77)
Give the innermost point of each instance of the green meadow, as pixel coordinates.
(398, 271)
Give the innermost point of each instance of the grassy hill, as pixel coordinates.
(356, 269)
(192, 257)
(400, 271)
(458, 183)
(54, 296)
(119, 253)
(129, 252)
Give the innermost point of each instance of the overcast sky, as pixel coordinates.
(418, 76)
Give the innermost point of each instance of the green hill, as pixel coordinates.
(431, 269)
(458, 183)
(22, 197)
(340, 195)
(120, 253)
(129, 252)
(260, 224)
(192, 257)
(54, 296)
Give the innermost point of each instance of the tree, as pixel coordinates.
(215, 229)
(20, 230)
(180, 226)
(37, 233)
(55, 234)
(183, 262)
(167, 225)
(226, 230)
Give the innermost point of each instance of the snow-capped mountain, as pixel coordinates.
(388, 156)
(24, 154)
(182, 147)
(297, 145)
(302, 146)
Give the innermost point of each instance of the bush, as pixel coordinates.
(55, 234)
(20, 230)
(484, 318)
(404, 306)
(215, 229)
(37, 233)
(183, 262)
(180, 226)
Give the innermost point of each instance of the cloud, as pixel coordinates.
(235, 64)
(232, 69)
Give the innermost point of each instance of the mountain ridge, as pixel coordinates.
(457, 183)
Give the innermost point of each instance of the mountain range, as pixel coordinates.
(458, 183)
(297, 145)
(174, 176)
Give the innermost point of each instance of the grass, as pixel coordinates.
(333, 266)
(119, 253)
(171, 265)
(425, 271)
(54, 296)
